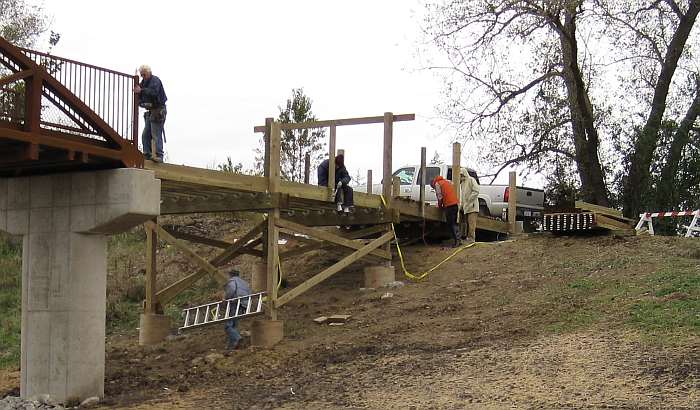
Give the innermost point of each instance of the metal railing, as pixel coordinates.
(107, 92)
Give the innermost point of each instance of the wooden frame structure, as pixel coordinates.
(292, 210)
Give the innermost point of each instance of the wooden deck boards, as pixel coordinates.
(187, 189)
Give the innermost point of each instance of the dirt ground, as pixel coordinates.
(483, 331)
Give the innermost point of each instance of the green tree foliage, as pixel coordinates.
(295, 144)
(229, 166)
(21, 23)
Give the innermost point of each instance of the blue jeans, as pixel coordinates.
(232, 331)
(152, 130)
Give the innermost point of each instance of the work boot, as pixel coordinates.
(347, 209)
(340, 207)
(147, 156)
(233, 346)
(457, 243)
(157, 159)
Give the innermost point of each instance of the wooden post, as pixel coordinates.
(396, 187)
(456, 173)
(456, 168)
(331, 164)
(422, 182)
(369, 181)
(272, 254)
(386, 160)
(307, 167)
(151, 269)
(512, 201)
(266, 173)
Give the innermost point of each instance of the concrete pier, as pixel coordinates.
(64, 220)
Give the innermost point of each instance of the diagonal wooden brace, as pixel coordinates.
(170, 292)
(335, 268)
(330, 237)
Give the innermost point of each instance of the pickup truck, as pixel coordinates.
(493, 199)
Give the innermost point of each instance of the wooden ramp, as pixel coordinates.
(294, 210)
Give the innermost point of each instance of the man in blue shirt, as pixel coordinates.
(235, 288)
(152, 98)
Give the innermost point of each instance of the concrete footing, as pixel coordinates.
(153, 329)
(64, 220)
(266, 333)
(378, 276)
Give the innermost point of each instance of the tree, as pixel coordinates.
(295, 144)
(22, 23)
(229, 166)
(564, 83)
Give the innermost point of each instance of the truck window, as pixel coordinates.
(430, 174)
(405, 175)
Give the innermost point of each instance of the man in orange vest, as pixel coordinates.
(448, 201)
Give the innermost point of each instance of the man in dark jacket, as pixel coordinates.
(343, 194)
(152, 98)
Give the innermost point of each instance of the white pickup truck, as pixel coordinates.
(493, 199)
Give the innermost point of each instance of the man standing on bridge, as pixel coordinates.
(153, 99)
(448, 201)
(235, 288)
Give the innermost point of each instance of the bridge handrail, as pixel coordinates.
(109, 93)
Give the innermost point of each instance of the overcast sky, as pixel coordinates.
(227, 65)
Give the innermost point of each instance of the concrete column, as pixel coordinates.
(65, 220)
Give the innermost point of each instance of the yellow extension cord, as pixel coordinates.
(423, 275)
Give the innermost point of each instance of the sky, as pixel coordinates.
(226, 66)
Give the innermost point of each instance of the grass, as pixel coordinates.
(663, 304)
(10, 303)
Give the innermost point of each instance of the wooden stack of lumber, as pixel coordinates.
(587, 217)
(608, 218)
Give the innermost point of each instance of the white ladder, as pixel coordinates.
(221, 311)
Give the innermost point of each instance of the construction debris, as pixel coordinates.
(338, 319)
(321, 320)
(387, 295)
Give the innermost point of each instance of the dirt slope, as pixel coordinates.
(545, 322)
(540, 322)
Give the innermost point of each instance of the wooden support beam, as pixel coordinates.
(19, 75)
(456, 167)
(168, 293)
(340, 122)
(333, 218)
(387, 156)
(395, 187)
(369, 181)
(173, 204)
(317, 245)
(328, 237)
(512, 200)
(272, 260)
(421, 197)
(221, 277)
(335, 268)
(247, 249)
(151, 269)
(331, 164)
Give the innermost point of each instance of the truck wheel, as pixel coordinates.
(484, 210)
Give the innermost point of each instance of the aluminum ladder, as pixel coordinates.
(216, 312)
